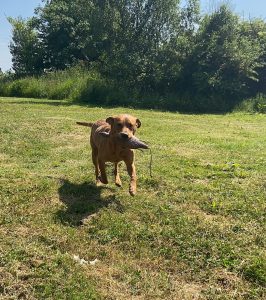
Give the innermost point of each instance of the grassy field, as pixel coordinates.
(195, 230)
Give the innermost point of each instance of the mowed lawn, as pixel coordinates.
(195, 230)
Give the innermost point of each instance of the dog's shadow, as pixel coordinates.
(82, 202)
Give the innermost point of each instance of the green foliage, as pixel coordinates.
(65, 31)
(66, 84)
(142, 30)
(102, 92)
(255, 30)
(156, 54)
(254, 105)
(26, 48)
(223, 60)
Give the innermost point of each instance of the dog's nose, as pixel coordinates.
(124, 135)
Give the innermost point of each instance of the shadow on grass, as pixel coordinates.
(43, 102)
(82, 202)
(81, 103)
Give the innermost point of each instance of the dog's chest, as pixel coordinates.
(112, 156)
(109, 150)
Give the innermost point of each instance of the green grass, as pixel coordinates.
(195, 230)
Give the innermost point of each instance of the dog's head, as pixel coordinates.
(123, 126)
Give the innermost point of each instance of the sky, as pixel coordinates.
(25, 8)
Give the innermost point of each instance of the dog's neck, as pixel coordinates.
(114, 145)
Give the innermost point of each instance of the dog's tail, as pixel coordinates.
(85, 124)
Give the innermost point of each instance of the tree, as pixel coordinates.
(224, 60)
(255, 30)
(65, 31)
(141, 29)
(25, 47)
(137, 42)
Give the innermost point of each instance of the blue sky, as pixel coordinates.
(25, 8)
(13, 8)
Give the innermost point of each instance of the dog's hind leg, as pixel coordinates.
(117, 176)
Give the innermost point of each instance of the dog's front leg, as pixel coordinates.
(132, 173)
(103, 176)
(96, 165)
(117, 177)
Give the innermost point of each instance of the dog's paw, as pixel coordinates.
(98, 182)
(103, 180)
(118, 183)
(132, 192)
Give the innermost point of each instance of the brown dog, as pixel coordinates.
(107, 141)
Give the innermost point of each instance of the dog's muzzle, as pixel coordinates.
(124, 135)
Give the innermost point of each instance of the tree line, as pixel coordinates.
(153, 49)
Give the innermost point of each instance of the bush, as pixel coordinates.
(254, 105)
(55, 85)
(102, 92)
(76, 83)
(81, 85)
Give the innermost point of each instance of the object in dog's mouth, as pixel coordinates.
(131, 143)
(135, 143)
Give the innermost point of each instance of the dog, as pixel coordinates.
(108, 138)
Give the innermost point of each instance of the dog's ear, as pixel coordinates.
(110, 120)
(138, 123)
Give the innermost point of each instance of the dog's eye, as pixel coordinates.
(130, 126)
